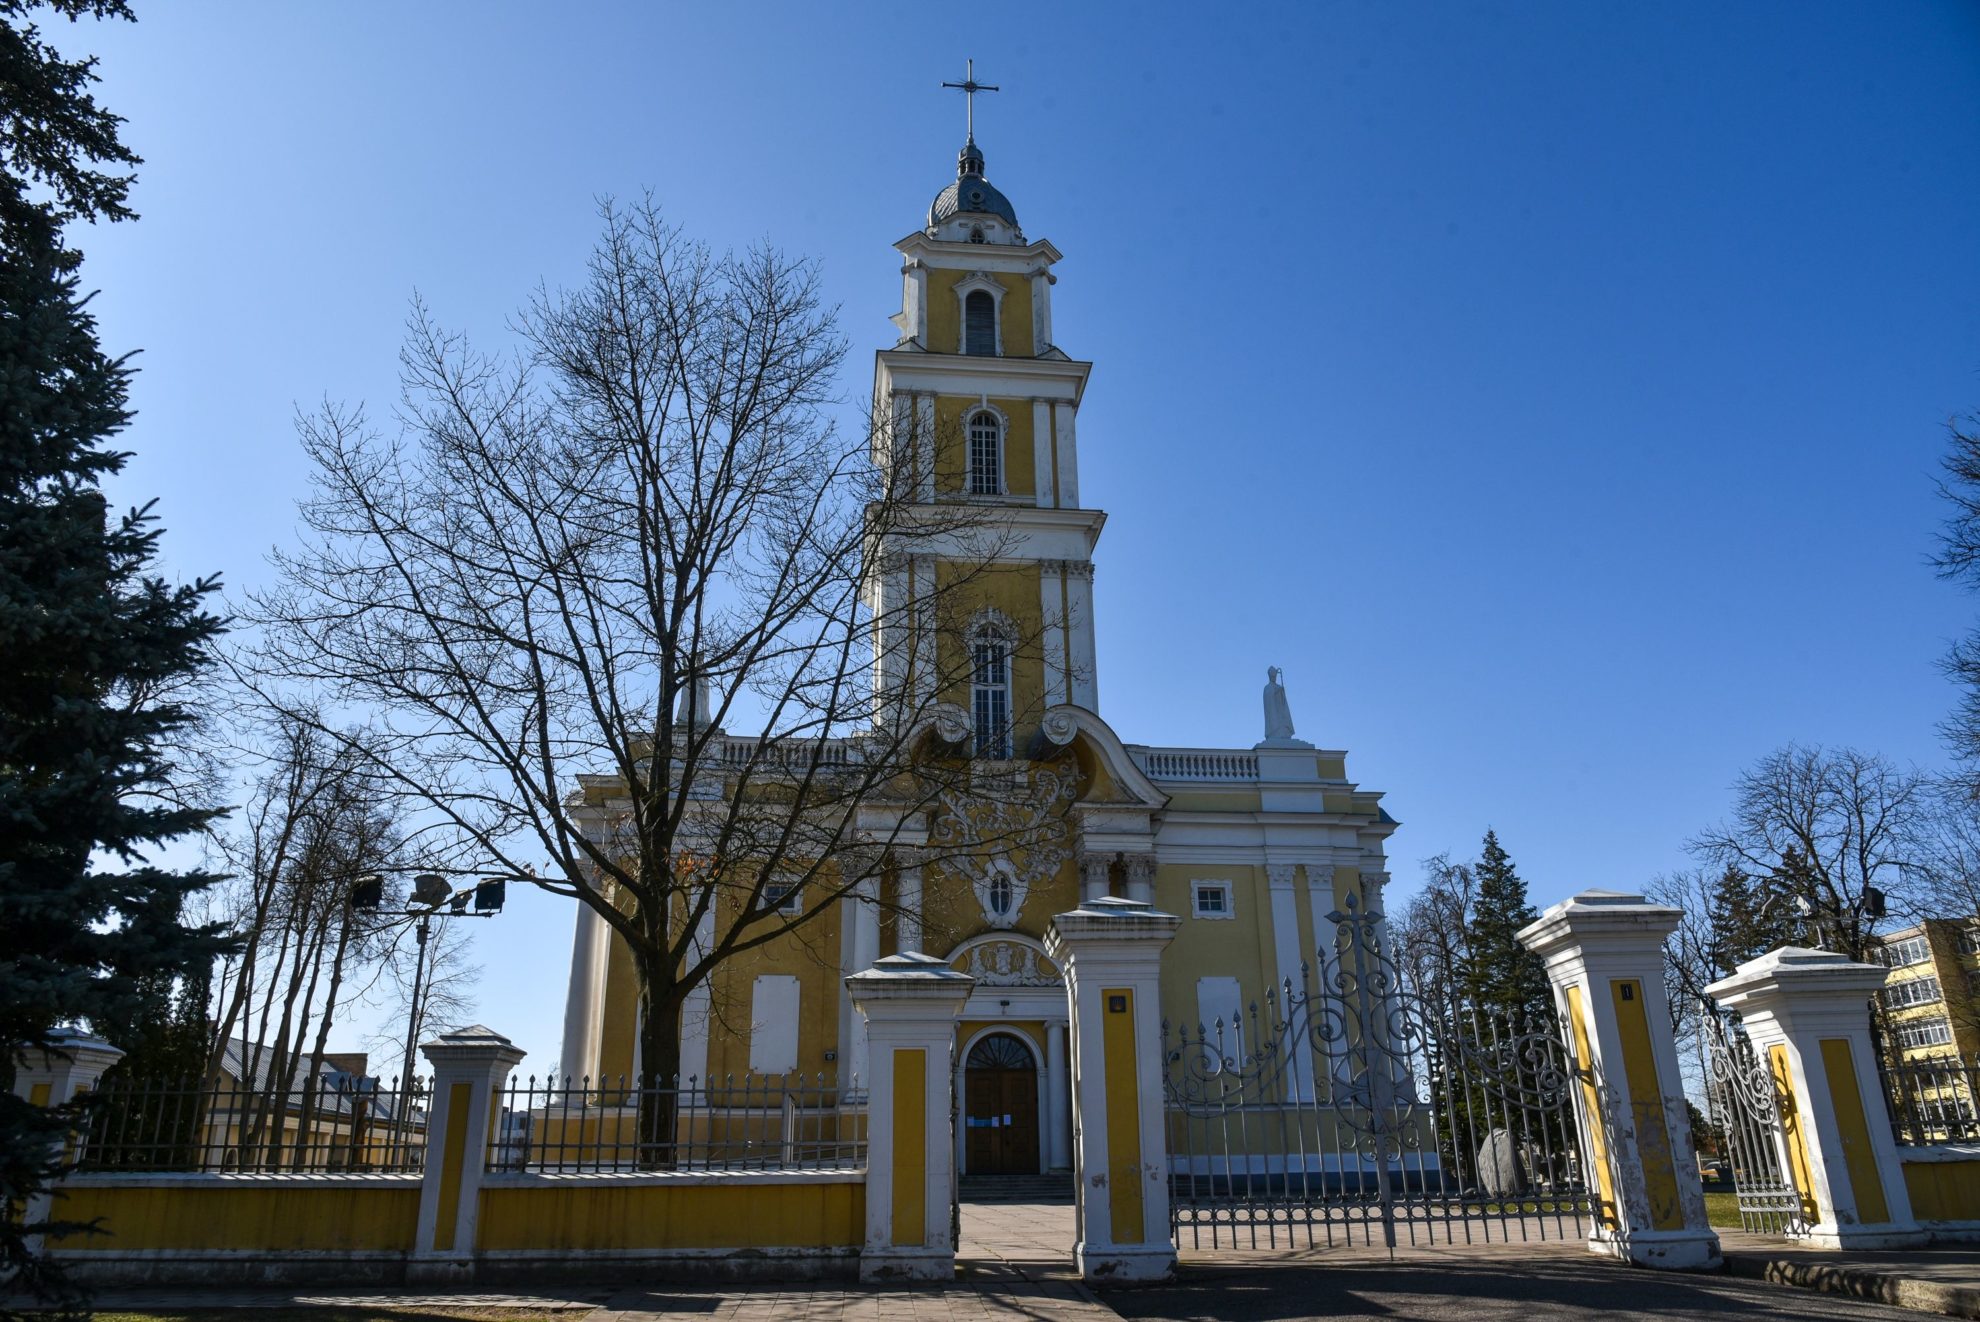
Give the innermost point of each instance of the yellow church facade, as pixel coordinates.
(1253, 845)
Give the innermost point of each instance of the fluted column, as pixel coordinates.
(907, 890)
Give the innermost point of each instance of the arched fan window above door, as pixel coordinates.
(1000, 1051)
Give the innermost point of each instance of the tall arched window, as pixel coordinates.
(990, 691)
(980, 324)
(986, 454)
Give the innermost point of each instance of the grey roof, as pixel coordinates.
(336, 1088)
(971, 192)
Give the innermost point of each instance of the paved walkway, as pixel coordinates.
(1016, 1267)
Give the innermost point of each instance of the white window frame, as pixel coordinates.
(970, 284)
(1921, 1033)
(1912, 991)
(984, 632)
(1003, 425)
(1904, 952)
(791, 901)
(1213, 885)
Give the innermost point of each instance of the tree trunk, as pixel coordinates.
(659, 1080)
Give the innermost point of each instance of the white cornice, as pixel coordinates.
(989, 256)
(972, 374)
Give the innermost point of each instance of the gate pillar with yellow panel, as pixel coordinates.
(1111, 951)
(911, 1003)
(1604, 953)
(470, 1066)
(1807, 1015)
(74, 1063)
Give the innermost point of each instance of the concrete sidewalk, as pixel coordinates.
(1944, 1279)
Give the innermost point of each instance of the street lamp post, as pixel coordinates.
(431, 891)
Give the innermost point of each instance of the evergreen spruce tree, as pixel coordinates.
(1507, 979)
(92, 640)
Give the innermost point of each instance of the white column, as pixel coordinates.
(1041, 309)
(1290, 983)
(694, 1010)
(469, 1068)
(1807, 1013)
(584, 1001)
(1068, 459)
(1041, 452)
(908, 1006)
(1052, 602)
(1111, 951)
(1085, 679)
(1094, 881)
(863, 947)
(908, 921)
(1058, 1116)
(1141, 877)
(1604, 953)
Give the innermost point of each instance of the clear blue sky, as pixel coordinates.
(1554, 390)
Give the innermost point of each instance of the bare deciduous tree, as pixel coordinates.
(1835, 829)
(562, 586)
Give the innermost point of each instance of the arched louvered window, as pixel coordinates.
(990, 691)
(986, 454)
(1000, 1051)
(980, 324)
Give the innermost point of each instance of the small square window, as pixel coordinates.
(1211, 899)
(781, 895)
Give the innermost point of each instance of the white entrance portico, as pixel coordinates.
(1018, 988)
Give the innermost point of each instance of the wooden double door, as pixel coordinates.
(1000, 1109)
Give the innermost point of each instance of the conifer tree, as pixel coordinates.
(93, 642)
(1506, 978)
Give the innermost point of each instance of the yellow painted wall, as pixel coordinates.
(1240, 947)
(1123, 1115)
(1012, 589)
(945, 313)
(1944, 1190)
(581, 1215)
(1859, 1157)
(227, 1214)
(811, 955)
(952, 444)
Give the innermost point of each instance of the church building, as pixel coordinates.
(1253, 845)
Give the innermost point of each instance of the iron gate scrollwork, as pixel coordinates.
(1751, 1109)
(1359, 1106)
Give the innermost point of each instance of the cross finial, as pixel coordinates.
(969, 87)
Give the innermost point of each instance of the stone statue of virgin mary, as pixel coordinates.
(1278, 714)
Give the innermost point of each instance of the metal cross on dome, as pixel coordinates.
(969, 87)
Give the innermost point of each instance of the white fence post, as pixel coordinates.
(1604, 953)
(910, 1003)
(1807, 1014)
(1111, 950)
(469, 1068)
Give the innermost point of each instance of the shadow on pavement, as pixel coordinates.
(1512, 1291)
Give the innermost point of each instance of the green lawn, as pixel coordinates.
(1722, 1210)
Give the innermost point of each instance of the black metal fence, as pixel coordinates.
(315, 1124)
(754, 1123)
(1933, 1099)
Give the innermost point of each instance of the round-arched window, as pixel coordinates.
(999, 1051)
(1001, 894)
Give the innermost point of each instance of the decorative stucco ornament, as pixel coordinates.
(1005, 839)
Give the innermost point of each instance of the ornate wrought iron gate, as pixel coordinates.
(1360, 1107)
(1753, 1109)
